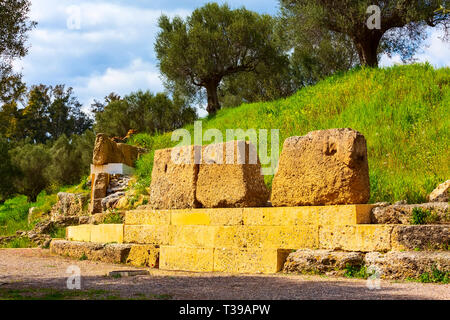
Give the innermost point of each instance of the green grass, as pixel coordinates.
(402, 111)
(113, 218)
(435, 276)
(14, 212)
(421, 216)
(358, 272)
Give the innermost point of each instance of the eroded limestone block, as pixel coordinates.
(327, 167)
(407, 264)
(230, 176)
(321, 261)
(174, 178)
(441, 193)
(107, 151)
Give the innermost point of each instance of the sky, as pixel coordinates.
(98, 46)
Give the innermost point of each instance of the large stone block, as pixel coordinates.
(107, 233)
(79, 233)
(151, 217)
(147, 234)
(144, 256)
(110, 253)
(186, 259)
(238, 260)
(327, 167)
(230, 176)
(321, 261)
(410, 264)
(364, 238)
(423, 237)
(174, 178)
(107, 151)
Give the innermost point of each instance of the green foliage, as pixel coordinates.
(113, 218)
(14, 27)
(359, 272)
(435, 276)
(399, 110)
(144, 112)
(18, 243)
(47, 114)
(7, 170)
(83, 257)
(32, 162)
(402, 24)
(214, 42)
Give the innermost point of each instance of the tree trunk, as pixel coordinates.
(368, 50)
(213, 98)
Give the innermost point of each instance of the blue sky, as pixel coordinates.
(100, 46)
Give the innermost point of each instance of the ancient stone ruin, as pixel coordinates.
(327, 167)
(196, 177)
(113, 163)
(210, 213)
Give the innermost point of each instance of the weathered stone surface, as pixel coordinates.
(230, 176)
(100, 187)
(423, 237)
(110, 253)
(441, 193)
(364, 238)
(407, 264)
(402, 214)
(174, 178)
(107, 151)
(327, 167)
(99, 191)
(70, 204)
(321, 261)
(144, 256)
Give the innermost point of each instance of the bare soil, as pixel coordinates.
(35, 273)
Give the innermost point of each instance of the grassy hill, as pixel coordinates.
(403, 111)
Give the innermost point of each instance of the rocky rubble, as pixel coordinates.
(402, 213)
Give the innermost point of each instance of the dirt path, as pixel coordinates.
(36, 273)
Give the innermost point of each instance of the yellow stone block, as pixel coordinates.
(143, 256)
(186, 259)
(273, 237)
(213, 217)
(322, 215)
(193, 236)
(363, 238)
(151, 217)
(281, 216)
(107, 233)
(79, 233)
(343, 215)
(249, 260)
(147, 234)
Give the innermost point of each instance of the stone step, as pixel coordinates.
(135, 255)
(273, 237)
(228, 260)
(102, 233)
(273, 216)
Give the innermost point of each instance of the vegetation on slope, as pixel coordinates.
(402, 111)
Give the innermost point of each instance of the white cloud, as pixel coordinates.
(435, 51)
(139, 75)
